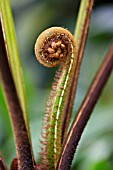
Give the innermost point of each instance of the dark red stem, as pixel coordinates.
(23, 148)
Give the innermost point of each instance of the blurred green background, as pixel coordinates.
(31, 17)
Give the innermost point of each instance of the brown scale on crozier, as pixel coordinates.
(52, 48)
(55, 48)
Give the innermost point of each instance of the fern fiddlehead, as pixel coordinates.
(55, 46)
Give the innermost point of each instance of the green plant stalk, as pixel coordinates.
(12, 53)
(83, 11)
(55, 118)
